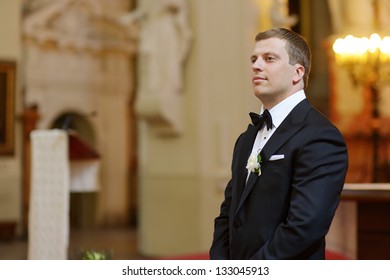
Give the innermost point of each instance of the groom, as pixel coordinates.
(288, 168)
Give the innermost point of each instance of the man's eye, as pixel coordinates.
(253, 60)
(269, 58)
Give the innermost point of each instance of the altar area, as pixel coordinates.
(372, 219)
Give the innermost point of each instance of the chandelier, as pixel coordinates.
(364, 57)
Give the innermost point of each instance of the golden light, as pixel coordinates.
(363, 50)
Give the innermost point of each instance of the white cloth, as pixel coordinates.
(49, 199)
(84, 175)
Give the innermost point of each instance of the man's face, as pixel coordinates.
(273, 77)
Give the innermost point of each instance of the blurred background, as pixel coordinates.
(153, 94)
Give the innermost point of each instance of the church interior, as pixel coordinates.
(118, 120)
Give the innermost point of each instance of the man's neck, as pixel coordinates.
(269, 103)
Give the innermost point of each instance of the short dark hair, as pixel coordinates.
(296, 46)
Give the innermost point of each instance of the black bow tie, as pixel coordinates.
(259, 120)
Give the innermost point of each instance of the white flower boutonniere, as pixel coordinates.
(253, 164)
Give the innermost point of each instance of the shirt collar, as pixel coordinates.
(280, 111)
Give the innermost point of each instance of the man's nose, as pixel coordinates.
(257, 65)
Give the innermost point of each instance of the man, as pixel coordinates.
(287, 175)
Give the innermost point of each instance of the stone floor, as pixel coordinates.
(120, 243)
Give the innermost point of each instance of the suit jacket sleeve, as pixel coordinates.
(320, 165)
(220, 247)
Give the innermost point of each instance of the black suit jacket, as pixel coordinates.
(285, 212)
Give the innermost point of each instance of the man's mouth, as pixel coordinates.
(258, 79)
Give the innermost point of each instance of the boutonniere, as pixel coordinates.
(253, 164)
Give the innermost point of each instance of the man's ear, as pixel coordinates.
(299, 72)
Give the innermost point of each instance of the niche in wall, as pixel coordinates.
(83, 205)
(78, 123)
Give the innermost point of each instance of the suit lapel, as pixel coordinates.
(291, 125)
(248, 141)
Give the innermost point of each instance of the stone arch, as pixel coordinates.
(77, 122)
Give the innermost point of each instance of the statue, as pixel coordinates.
(346, 16)
(279, 15)
(164, 42)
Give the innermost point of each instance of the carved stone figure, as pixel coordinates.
(164, 42)
(346, 16)
(279, 15)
